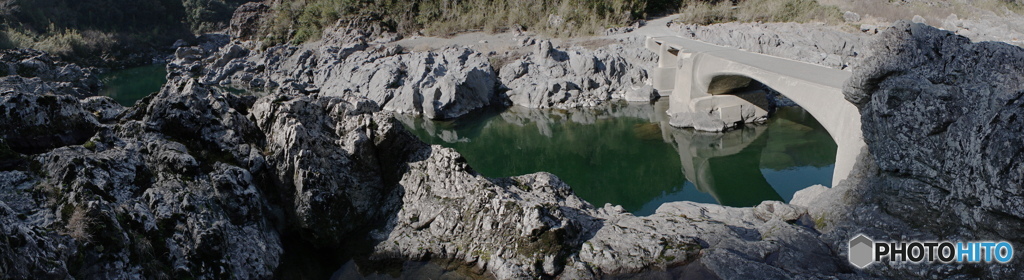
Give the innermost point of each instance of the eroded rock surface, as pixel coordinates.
(577, 77)
(818, 44)
(198, 182)
(941, 116)
(45, 73)
(351, 62)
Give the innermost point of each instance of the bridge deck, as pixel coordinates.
(800, 70)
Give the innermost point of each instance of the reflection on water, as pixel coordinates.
(627, 154)
(129, 85)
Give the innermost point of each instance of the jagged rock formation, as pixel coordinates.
(39, 107)
(941, 116)
(247, 20)
(810, 43)
(943, 155)
(348, 63)
(45, 74)
(198, 182)
(577, 77)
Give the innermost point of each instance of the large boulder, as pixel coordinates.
(33, 120)
(48, 72)
(941, 117)
(247, 20)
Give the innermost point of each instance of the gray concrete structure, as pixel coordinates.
(687, 69)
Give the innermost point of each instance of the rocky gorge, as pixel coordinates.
(196, 181)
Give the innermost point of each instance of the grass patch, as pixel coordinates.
(305, 20)
(711, 12)
(934, 13)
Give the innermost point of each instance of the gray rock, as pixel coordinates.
(919, 19)
(812, 43)
(104, 108)
(34, 122)
(938, 114)
(247, 20)
(577, 77)
(849, 16)
(49, 74)
(350, 64)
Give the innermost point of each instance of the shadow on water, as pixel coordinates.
(626, 154)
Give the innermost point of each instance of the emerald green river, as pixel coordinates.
(129, 85)
(626, 154)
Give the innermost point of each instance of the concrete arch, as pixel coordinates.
(687, 69)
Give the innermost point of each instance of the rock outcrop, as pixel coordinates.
(352, 63)
(940, 115)
(199, 182)
(247, 20)
(45, 74)
(818, 44)
(943, 155)
(553, 78)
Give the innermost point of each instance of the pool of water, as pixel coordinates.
(626, 154)
(129, 85)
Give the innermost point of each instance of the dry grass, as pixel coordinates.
(60, 43)
(304, 20)
(709, 12)
(78, 225)
(934, 12)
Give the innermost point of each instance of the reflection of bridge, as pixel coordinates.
(692, 74)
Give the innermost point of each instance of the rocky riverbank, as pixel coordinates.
(359, 60)
(199, 182)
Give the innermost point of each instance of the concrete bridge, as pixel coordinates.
(697, 77)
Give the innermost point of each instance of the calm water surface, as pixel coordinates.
(129, 85)
(626, 154)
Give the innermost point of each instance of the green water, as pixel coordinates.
(626, 154)
(129, 85)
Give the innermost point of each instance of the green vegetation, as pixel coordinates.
(710, 12)
(87, 31)
(304, 20)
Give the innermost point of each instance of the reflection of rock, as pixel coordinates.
(543, 119)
